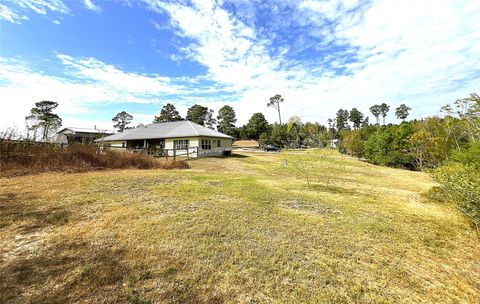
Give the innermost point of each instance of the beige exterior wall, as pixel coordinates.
(192, 142)
(194, 145)
(117, 144)
(196, 142)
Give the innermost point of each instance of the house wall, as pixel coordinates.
(226, 145)
(196, 141)
(193, 142)
(117, 144)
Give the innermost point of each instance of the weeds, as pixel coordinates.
(22, 157)
(315, 166)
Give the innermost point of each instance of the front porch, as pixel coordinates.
(188, 148)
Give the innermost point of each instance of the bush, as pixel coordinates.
(21, 157)
(352, 143)
(460, 181)
(460, 184)
(390, 146)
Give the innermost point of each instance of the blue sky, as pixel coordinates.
(97, 58)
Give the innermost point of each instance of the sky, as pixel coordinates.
(99, 57)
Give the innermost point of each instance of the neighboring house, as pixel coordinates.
(80, 135)
(335, 143)
(177, 138)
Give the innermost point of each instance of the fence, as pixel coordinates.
(188, 152)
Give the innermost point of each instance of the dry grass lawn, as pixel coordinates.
(245, 144)
(245, 229)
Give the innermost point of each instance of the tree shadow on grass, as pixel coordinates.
(332, 189)
(76, 269)
(16, 209)
(235, 155)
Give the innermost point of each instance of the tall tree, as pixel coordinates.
(356, 117)
(168, 113)
(121, 120)
(384, 108)
(342, 120)
(332, 123)
(201, 115)
(294, 129)
(376, 111)
(41, 117)
(226, 120)
(467, 109)
(402, 111)
(275, 103)
(256, 125)
(31, 123)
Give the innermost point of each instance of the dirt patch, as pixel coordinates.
(310, 207)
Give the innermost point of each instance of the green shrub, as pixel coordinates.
(460, 181)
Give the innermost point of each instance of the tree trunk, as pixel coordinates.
(279, 116)
(45, 132)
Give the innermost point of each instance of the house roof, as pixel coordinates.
(172, 129)
(86, 130)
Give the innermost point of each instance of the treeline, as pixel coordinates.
(417, 144)
(448, 147)
(293, 134)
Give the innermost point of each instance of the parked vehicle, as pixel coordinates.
(271, 148)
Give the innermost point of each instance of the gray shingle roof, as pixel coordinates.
(182, 128)
(86, 130)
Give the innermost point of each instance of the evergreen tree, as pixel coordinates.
(342, 120)
(402, 111)
(226, 120)
(376, 111)
(275, 103)
(256, 126)
(121, 120)
(201, 115)
(41, 117)
(356, 117)
(384, 108)
(168, 113)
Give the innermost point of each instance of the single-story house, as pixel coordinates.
(80, 135)
(177, 138)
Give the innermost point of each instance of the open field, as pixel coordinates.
(245, 229)
(245, 144)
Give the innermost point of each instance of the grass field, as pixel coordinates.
(245, 229)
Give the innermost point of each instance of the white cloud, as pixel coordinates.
(132, 85)
(92, 6)
(391, 51)
(405, 52)
(43, 6)
(86, 83)
(10, 15)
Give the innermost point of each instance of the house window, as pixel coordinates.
(206, 144)
(180, 144)
(219, 143)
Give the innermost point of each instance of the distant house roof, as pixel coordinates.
(85, 130)
(172, 129)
